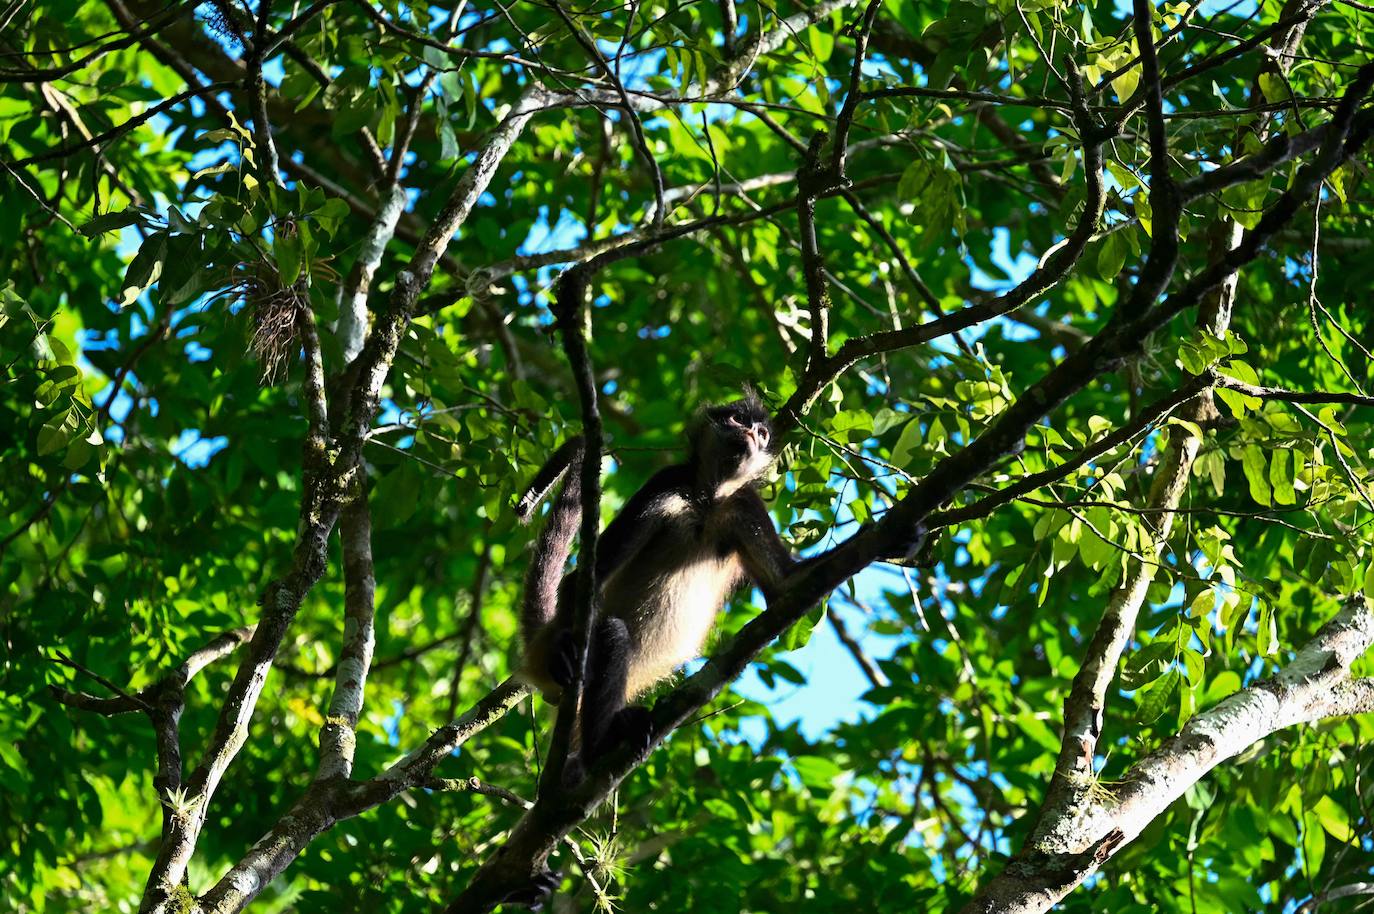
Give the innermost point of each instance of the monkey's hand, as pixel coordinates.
(535, 895)
(917, 551)
(563, 659)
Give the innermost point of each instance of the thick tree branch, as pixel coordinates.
(338, 736)
(1055, 836)
(1314, 686)
(351, 329)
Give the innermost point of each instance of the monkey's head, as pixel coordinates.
(732, 443)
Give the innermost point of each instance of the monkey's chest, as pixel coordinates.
(669, 595)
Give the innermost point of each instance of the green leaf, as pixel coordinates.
(77, 454)
(1313, 844)
(144, 269)
(1147, 664)
(1245, 202)
(907, 442)
(1234, 400)
(799, 634)
(1281, 476)
(331, 213)
(1274, 87)
(1195, 665)
(52, 438)
(397, 495)
(817, 772)
(1335, 820)
(1155, 700)
(1203, 604)
(1213, 463)
(1252, 459)
(1233, 615)
(1125, 85)
(1111, 256)
(64, 375)
(933, 193)
(885, 419)
(1038, 731)
(221, 168)
(1268, 636)
(111, 221)
(286, 249)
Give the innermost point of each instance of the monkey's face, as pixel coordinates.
(737, 439)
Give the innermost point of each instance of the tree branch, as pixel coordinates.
(326, 802)
(100, 139)
(573, 317)
(1053, 268)
(338, 736)
(151, 27)
(257, 95)
(845, 119)
(631, 115)
(1314, 686)
(326, 476)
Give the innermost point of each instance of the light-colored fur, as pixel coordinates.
(670, 592)
(753, 467)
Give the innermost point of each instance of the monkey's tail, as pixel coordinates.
(551, 549)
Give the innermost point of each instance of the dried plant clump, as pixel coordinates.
(221, 23)
(273, 308)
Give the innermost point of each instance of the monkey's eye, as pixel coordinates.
(733, 421)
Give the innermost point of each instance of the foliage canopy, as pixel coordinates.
(981, 257)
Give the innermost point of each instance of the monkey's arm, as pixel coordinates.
(767, 559)
(638, 519)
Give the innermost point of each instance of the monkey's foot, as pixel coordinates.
(574, 771)
(915, 550)
(633, 727)
(563, 658)
(535, 895)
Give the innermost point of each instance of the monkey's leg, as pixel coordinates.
(606, 721)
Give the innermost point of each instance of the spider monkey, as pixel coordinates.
(664, 567)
